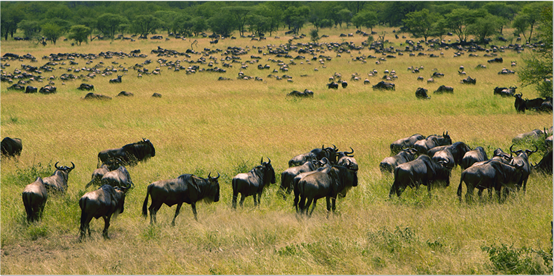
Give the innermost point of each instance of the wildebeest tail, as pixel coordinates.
(459, 192)
(394, 186)
(83, 205)
(144, 209)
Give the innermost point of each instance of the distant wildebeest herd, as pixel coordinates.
(322, 172)
(285, 56)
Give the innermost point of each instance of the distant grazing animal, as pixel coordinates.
(101, 203)
(531, 135)
(307, 93)
(545, 165)
(398, 145)
(125, 94)
(253, 182)
(129, 154)
(11, 147)
(344, 84)
(49, 89)
(444, 88)
(94, 96)
(156, 95)
(34, 199)
(385, 85)
(505, 92)
(85, 86)
(390, 163)
(346, 159)
(117, 80)
(421, 93)
(333, 85)
(469, 80)
(186, 188)
(328, 152)
(31, 89)
(422, 170)
(57, 182)
(497, 60)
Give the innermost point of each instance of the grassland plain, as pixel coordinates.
(202, 126)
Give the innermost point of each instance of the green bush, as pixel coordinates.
(510, 260)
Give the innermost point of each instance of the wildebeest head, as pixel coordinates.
(523, 153)
(64, 169)
(213, 191)
(269, 172)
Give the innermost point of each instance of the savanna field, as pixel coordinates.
(201, 125)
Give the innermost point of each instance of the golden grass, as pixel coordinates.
(202, 126)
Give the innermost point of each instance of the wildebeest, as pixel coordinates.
(156, 95)
(307, 93)
(98, 173)
(129, 154)
(31, 89)
(119, 177)
(469, 80)
(328, 152)
(328, 183)
(422, 146)
(525, 104)
(398, 145)
(104, 202)
(187, 188)
(385, 85)
(390, 163)
(253, 182)
(488, 175)
(301, 159)
(454, 156)
(422, 170)
(289, 174)
(522, 160)
(346, 159)
(531, 135)
(117, 80)
(125, 94)
(333, 85)
(94, 96)
(473, 156)
(11, 147)
(545, 165)
(49, 89)
(421, 93)
(86, 86)
(505, 92)
(34, 197)
(497, 59)
(57, 182)
(444, 88)
(344, 84)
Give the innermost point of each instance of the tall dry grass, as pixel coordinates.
(202, 126)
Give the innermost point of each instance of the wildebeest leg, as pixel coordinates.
(154, 207)
(308, 207)
(106, 226)
(328, 201)
(255, 202)
(242, 197)
(259, 198)
(235, 200)
(296, 199)
(193, 205)
(301, 205)
(176, 213)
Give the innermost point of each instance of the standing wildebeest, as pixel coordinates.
(421, 93)
(505, 92)
(119, 177)
(301, 159)
(454, 156)
(473, 156)
(422, 146)
(186, 188)
(333, 85)
(346, 159)
(385, 85)
(58, 180)
(31, 89)
(86, 86)
(34, 199)
(323, 164)
(253, 182)
(469, 80)
(444, 88)
(328, 183)
(307, 93)
(118, 80)
(98, 173)
(11, 147)
(398, 145)
(521, 105)
(488, 175)
(129, 154)
(422, 170)
(103, 202)
(390, 163)
(522, 160)
(289, 174)
(545, 165)
(330, 153)
(94, 96)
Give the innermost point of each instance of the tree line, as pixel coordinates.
(84, 20)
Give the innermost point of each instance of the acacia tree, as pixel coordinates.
(460, 19)
(366, 19)
(485, 26)
(420, 23)
(528, 18)
(109, 23)
(146, 24)
(52, 31)
(79, 33)
(240, 16)
(537, 70)
(31, 29)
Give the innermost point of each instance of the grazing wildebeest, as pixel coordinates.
(384, 85)
(344, 84)
(34, 199)
(329, 183)
(119, 177)
(253, 182)
(94, 96)
(118, 80)
(473, 156)
(307, 93)
(422, 170)
(301, 159)
(289, 174)
(545, 165)
(129, 154)
(86, 86)
(398, 145)
(505, 92)
(444, 88)
(11, 147)
(57, 182)
(531, 135)
(421, 93)
(333, 85)
(125, 94)
(187, 188)
(469, 80)
(31, 89)
(422, 146)
(104, 202)
(390, 163)
(488, 175)
(497, 59)
(522, 160)
(49, 89)
(156, 95)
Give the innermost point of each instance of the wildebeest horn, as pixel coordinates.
(217, 176)
(262, 161)
(269, 162)
(335, 148)
(349, 152)
(511, 149)
(73, 166)
(56, 165)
